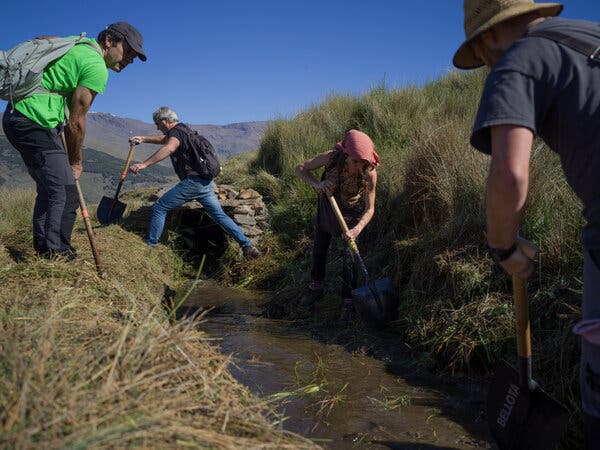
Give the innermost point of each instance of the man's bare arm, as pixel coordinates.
(159, 139)
(166, 150)
(506, 192)
(81, 100)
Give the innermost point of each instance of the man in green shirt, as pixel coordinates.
(34, 124)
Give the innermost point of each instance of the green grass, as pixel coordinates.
(428, 231)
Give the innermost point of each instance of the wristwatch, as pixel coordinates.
(500, 254)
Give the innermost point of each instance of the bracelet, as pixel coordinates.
(501, 254)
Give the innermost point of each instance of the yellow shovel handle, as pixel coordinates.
(342, 222)
(520, 298)
(129, 157)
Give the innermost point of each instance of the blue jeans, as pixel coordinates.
(192, 188)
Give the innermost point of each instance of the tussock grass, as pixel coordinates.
(428, 231)
(87, 362)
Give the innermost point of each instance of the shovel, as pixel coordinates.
(520, 414)
(110, 210)
(86, 219)
(375, 300)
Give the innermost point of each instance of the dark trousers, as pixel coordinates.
(56, 201)
(319, 261)
(589, 375)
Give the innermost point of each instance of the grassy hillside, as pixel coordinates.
(455, 307)
(96, 363)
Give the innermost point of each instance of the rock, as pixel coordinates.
(262, 221)
(244, 209)
(243, 219)
(192, 205)
(248, 193)
(251, 231)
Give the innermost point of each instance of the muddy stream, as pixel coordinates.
(340, 397)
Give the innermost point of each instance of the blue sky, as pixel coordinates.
(236, 61)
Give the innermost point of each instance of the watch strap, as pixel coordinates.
(501, 254)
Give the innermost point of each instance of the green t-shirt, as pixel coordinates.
(80, 66)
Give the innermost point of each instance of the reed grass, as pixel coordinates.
(455, 306)
(96, 363)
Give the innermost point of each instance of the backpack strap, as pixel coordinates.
(79, 40)
(22, 67)
(336, 158)
(589, 49)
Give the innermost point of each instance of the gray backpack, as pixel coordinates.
(22, 67)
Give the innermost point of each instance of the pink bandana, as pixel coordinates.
(357, 144)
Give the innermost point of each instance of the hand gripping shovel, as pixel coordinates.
(375, 300)
(520, 414)
(110, 210)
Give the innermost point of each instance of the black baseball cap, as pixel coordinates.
(132, 36)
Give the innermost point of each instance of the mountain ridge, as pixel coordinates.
(109, 133)
(106, 146)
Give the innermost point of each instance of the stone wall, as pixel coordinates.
(246, 207)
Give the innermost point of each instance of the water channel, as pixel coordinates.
(341, 398)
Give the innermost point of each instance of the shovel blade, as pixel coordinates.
(110, 210)
(375, 302)
(520, 418)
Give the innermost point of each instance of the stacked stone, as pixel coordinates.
(246, 207)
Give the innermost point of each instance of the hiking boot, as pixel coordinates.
(251, 252)
(65, 255)
(313, 293)
(39, 248)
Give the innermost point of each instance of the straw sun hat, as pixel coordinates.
(481, 15)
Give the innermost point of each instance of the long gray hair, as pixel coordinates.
(164, 112)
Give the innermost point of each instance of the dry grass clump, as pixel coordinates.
(87, 362)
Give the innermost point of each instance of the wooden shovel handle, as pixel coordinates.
(338, 213)
(528, 248)
(90, 231)
(522, 317)
(86, 219)
(520, 298)
(342, 222)
(129, 157)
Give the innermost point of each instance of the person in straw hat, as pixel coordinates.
(544, 81)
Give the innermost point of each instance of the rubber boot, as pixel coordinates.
(591, 432)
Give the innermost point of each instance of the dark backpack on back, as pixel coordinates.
(203, 156)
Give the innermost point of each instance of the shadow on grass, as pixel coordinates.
(16, 254)
(393, 445)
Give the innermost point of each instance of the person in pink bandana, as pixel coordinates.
(351, 178)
